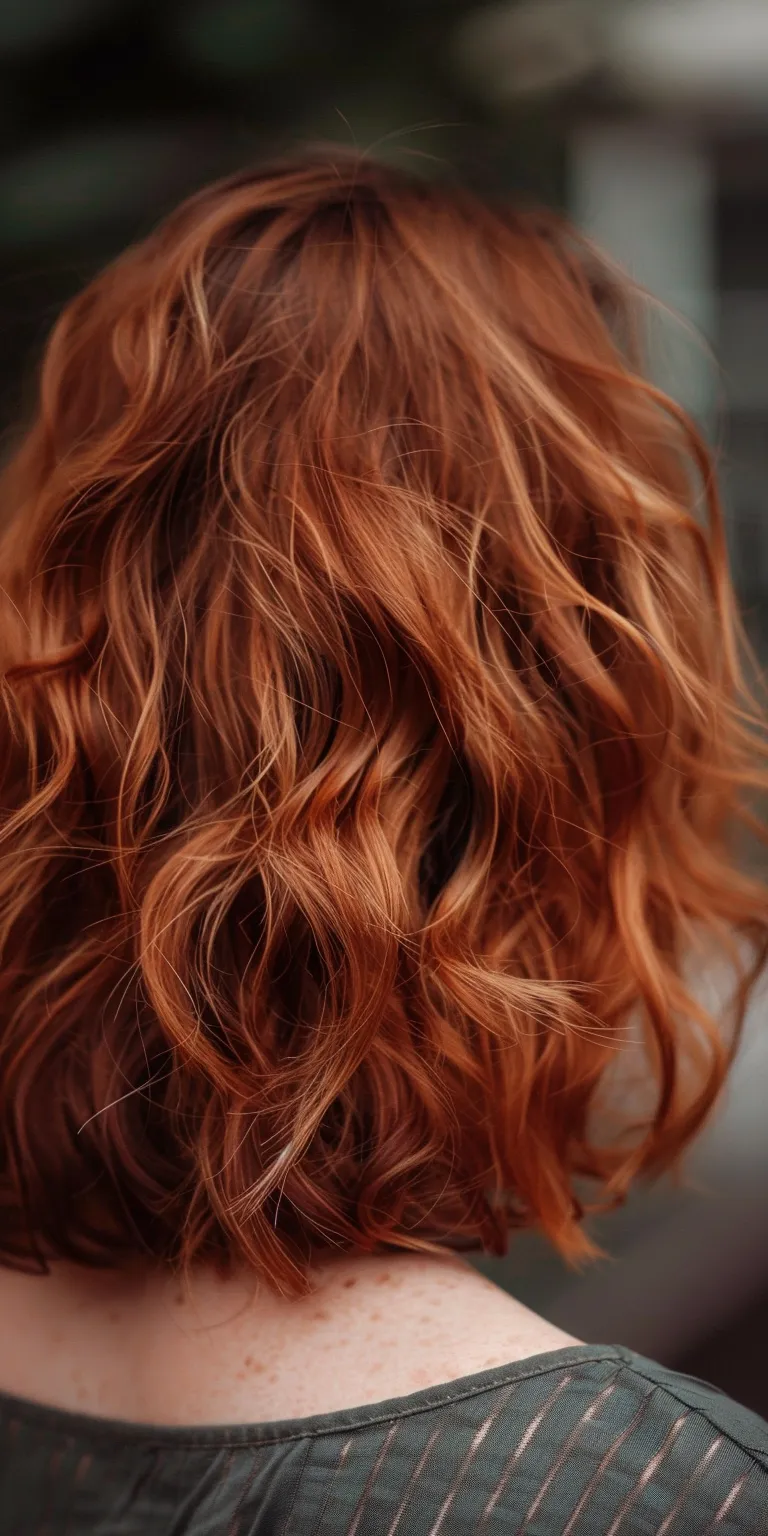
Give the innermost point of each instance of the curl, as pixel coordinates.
(375, 739)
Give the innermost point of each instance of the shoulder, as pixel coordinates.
(726, 1417)
(691, 1450)
(590, 1436)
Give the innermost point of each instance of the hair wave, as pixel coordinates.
(374, 728)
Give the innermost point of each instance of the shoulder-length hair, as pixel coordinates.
(374, 732)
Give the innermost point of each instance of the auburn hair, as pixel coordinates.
(374, 730)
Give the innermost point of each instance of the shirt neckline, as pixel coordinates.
(89, 1426)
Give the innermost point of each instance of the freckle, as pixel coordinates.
(348, 1284)
(178, 1301)
(321, 1317)
(384, 1279)
(258, 1368)
(375, 1317)
(248, 1360)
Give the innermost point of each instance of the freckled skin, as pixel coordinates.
(255, 1366)
(226, 1351)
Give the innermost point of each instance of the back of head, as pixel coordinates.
(373, 735)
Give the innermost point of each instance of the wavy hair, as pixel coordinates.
(375, 730)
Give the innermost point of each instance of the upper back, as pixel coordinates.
(140, 1345)
(573, 1442)
(418, 1400)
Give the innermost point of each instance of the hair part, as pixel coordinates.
(374, 731)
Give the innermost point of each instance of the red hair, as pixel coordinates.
(374, 735)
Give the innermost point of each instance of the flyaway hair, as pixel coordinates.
(374, 737)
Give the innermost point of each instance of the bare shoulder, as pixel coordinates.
(375, 1329)
(228, 1351)
(445, 1307)
(450, 1320)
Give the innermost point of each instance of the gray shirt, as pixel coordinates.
(591, 1440)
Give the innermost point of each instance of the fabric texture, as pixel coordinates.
(592, 1440)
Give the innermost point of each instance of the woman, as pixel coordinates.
(374, 735)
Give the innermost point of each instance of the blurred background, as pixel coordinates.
(647, 120)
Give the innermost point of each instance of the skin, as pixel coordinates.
(133, 1346)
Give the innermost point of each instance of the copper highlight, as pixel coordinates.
(375, 732)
